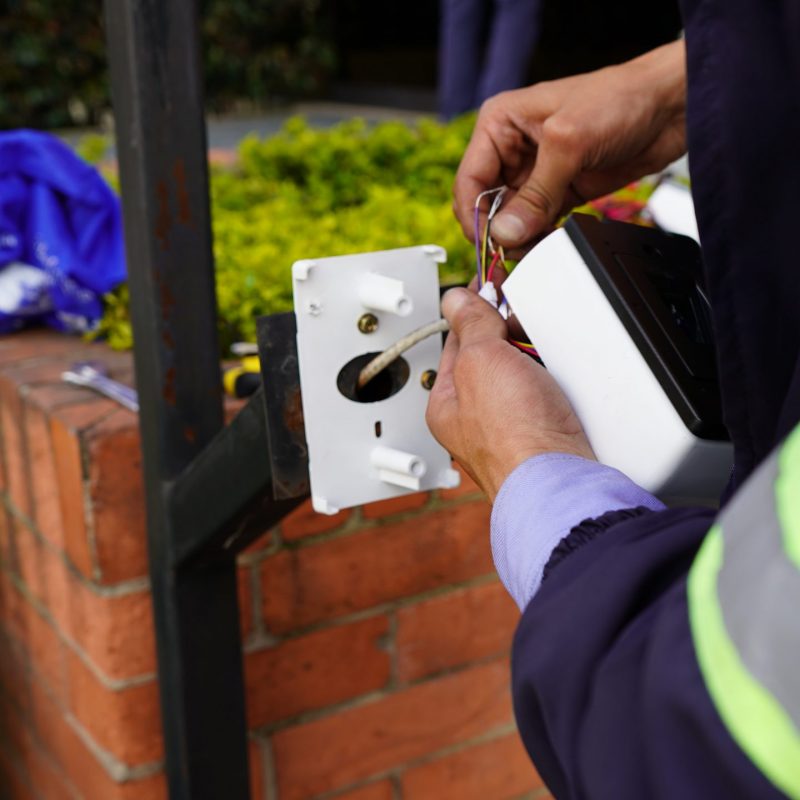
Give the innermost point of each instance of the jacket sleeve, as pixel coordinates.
(623, 659)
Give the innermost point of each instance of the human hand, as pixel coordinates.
(493, 407)
(560, 143)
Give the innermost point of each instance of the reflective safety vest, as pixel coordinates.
(744, 611)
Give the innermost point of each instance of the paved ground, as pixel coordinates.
(225, 133)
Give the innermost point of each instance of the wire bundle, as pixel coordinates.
(489, 256)
(484, 246)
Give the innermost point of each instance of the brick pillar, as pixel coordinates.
(376, 642)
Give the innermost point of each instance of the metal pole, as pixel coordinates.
(161, 145)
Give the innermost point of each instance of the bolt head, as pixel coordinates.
(428, 378)
(368, 323)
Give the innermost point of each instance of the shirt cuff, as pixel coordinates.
(540, 502)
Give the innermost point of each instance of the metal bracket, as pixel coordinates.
(286, 433)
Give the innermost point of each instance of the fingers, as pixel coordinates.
(471, 318)
(480, 169)
(538, 202)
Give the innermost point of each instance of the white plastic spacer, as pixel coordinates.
(381, 293)
(397, 467)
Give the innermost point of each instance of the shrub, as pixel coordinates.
(53, 57)
(308, 193)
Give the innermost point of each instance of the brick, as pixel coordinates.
(466, 488)
(382, 790)
(47, 780)
(51, 396)
(90, 777)
(44, 477)
(47, 652)
(316, 670)
(32, 761)
(114, 629)
(357, 743)
(14, 617)
(116, 491)
(81, 417)
(69, 470)
(124, 722)
(396, 505)
(35, 344)
(116, 632)
(14, 673)
(352, 573)
(255, 760)
(454, 629)
(5, 538)
(11, 782)
(500, 769)
(27, 558)
(15, 457)
(243, 576)
(304, 521)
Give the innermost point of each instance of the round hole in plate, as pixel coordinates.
(381, 387)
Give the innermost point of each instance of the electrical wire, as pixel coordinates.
(380, 362)
(485, 272)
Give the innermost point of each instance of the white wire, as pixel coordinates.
(380, 362)
(487, 193)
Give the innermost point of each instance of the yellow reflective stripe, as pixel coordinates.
(787, 495)
(755, 720)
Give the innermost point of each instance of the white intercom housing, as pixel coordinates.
(619, 317)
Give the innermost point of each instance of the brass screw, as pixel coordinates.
(428, 379)
(368, 323)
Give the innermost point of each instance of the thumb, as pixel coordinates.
(538, 202)
(471, 318)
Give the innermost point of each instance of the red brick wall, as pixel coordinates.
(376, 642)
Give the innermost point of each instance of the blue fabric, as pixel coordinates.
(61, 240)
(538, 504)
(471, 70)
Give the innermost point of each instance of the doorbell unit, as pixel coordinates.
(620, 317)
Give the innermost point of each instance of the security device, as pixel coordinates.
(620, 317)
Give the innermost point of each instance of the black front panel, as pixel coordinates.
(654, 281)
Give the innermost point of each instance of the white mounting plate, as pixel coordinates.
(341, 433)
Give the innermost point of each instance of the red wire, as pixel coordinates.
(526, 348)
(492, 266)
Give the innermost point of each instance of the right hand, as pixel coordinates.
(560, 143)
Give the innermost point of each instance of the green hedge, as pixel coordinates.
(307, 193)
(53, 66)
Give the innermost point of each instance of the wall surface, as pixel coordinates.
(376, 642)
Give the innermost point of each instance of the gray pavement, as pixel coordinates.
(225, 132)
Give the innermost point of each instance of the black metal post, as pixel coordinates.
(161, 146)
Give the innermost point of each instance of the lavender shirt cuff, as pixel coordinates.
(540, 502)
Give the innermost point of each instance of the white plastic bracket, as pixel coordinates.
(360, 452)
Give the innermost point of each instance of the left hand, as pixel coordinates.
(493, 407)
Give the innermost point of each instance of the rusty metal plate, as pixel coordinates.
(288, 452)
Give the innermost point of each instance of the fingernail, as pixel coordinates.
(509, 227)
